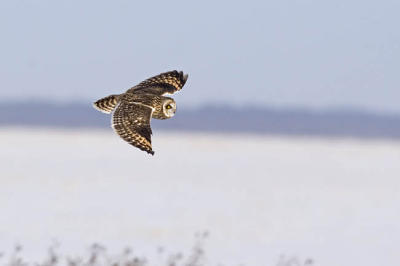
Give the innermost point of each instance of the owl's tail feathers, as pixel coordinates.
(106, 104)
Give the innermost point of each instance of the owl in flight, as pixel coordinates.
(133, 109)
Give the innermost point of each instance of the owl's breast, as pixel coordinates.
(158, 112)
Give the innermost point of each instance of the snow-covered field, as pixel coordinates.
(336, 201)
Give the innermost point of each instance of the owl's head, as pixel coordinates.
(169, 107)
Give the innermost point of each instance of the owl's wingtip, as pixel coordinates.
(183, 77)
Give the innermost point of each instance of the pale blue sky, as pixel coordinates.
(318, 54)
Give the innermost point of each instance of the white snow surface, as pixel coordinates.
(334, 200)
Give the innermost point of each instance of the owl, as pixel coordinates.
(133, 110)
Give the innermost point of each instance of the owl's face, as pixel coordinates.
(169, 107)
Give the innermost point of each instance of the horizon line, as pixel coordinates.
(215, 105)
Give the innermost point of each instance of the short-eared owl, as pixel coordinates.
(134, 108)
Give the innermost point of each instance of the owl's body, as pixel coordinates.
(134, 108)
(148, 99)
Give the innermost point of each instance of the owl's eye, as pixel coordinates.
(168, 106)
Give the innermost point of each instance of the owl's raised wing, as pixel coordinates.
(168, 82)
(131, 121)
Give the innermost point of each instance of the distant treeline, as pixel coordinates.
(351, 123)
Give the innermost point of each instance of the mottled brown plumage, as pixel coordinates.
(134, 108)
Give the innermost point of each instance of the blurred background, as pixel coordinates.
(286, 139)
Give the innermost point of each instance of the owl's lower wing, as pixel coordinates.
(168, 82)
(131, 121)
